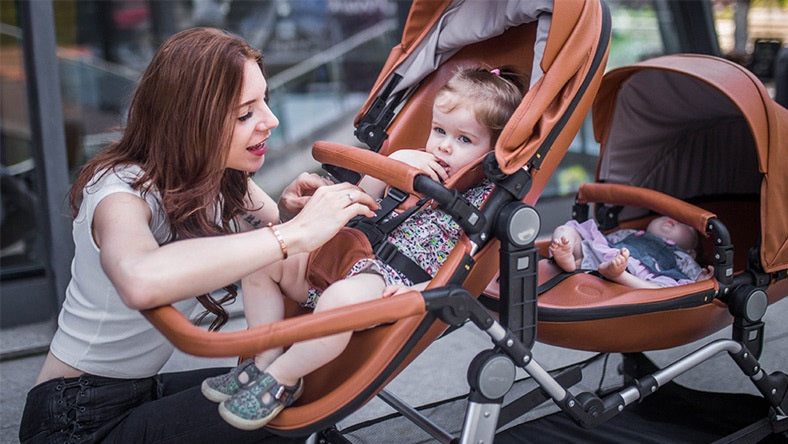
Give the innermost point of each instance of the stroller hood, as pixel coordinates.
(436, 30)
(694, 126)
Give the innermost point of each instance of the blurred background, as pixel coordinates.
(68, 68)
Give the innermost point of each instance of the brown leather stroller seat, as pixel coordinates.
(677, 131)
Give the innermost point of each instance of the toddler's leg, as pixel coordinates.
(305, 357)
(263, 293)
(281, 384)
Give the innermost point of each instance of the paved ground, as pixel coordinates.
(439, 373)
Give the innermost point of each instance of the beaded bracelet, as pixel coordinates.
(278, 236)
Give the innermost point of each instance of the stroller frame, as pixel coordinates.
(492, 372)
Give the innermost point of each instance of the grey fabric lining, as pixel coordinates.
(678, 135)
(469, 21)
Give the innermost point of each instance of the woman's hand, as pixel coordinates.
(422, 160)
(326, 212)
(298, 193)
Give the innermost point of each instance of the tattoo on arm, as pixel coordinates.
(252, 220)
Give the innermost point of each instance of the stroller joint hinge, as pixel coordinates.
(746, 361)
(455, 305)
(580, 211)
(589, 410)
(514, 348)
(607, 216)
(646, 386)
(775, 389)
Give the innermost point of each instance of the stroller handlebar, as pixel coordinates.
(194, 340)
(616, 194)
(402, 176)
(393, 172)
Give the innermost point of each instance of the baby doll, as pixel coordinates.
(661, 256)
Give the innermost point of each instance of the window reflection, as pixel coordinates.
(19, 246)
(321, 59)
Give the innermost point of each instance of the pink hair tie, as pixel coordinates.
(495, 71)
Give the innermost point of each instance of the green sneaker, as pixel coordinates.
(259, 402)
(221, 387)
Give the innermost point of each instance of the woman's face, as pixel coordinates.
(253, 125)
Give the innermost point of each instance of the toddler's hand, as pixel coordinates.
(422, 160)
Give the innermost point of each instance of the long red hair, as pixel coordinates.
(179, 128)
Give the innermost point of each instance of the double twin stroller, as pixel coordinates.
(693, 137)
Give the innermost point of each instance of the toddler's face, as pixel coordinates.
(456, 138)
(667, 228)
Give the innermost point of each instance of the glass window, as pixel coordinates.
(20, 249)
(321, 59)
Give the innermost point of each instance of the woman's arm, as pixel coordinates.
(263, 209)
(148, 275)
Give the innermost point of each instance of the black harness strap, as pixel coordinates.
(377, 231)
(388, 253)
(560, 277)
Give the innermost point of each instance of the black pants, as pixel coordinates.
(166, 408)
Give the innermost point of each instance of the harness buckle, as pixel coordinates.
(397, 195)
(386, 251)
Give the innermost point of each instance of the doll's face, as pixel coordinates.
(670, 229)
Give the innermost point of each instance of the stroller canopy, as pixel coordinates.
(694, 126)
(436, 30)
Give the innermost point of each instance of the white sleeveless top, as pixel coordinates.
(97, 333)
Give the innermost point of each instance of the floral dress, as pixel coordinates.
(426, 238)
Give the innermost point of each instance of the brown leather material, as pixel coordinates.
(629, 334)
(334, 259)
(626, 333)
(569, 12)
(661, 203)
(194, 340)
(395, 173)
(547, 101)
(767, 120)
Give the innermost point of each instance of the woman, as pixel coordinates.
(156, 217)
